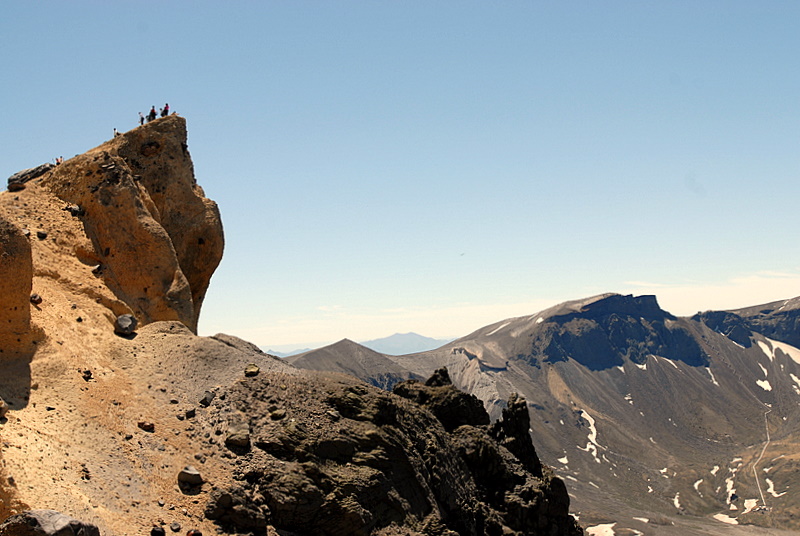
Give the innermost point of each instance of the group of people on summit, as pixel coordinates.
(152, 114)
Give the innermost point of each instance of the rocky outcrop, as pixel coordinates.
(729, 324)
(777, 320)
(451, 406)
(156, 238)
(16, 182)
(358, 460)
(16, 274)
(46, 523)
(513, 432)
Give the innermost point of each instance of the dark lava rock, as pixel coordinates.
(604, 333)
(208, 397)
(234, 508)
(16, 182)
(46, 523)
(385, 460)
(729, 324)
(125, 324)
(146, 426)
(513, 432)
(452, 407)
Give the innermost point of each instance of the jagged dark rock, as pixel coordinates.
(46, 523)
(513, 432)
(729, 324)
(234, 510)
(359, 460)
(777, 320)
(16, 182)
(451, 406)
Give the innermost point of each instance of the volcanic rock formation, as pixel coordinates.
(152, 427)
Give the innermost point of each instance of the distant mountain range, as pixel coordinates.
(404, 343)
(397, 344)
(659, 419)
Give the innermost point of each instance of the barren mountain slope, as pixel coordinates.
(645, 414)
(356, 360)
(102, 425)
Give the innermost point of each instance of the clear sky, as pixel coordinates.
(437, 166)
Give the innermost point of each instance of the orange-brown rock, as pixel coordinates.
(155, 238)
(16, 274)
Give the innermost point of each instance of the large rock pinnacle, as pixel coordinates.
(157, 239)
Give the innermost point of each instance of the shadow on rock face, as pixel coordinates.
(15, 381)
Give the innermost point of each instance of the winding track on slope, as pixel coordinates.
(724, 360)
(760, 456)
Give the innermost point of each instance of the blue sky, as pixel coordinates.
(434, 167)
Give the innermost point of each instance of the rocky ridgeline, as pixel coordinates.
(120, 415)
(353, 459)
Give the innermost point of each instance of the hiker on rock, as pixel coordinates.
(165, 110)
(152, 115)
(141, 118)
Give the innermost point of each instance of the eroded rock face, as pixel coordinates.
(46, 523)
(157, 239)
(16, 274)
(452, 407)
(354, 460)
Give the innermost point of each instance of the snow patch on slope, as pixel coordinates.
(592, 445)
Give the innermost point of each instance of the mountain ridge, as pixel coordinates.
(114, 411)
(666, 415)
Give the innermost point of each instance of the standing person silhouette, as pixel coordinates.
(141, 118)
(152, 115)
(165, 110)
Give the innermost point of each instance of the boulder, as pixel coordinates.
(125, 324)
(191, 476)
(46, 523)
(238, 431)
(16, 182)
